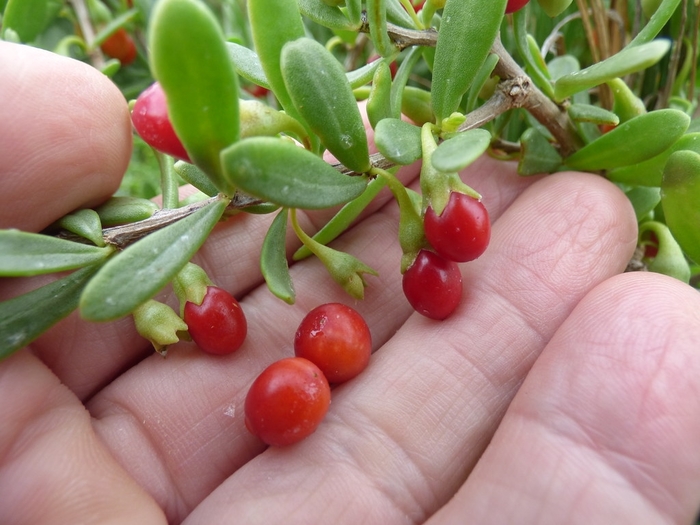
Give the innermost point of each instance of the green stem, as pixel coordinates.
(168, 181)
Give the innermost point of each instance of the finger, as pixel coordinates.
(604, 429)
(65, 140)
(148, 408)
(52, 467)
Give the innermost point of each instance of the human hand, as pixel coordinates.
(558, 392)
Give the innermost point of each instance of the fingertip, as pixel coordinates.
(65, 140)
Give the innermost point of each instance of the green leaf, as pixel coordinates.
(415, 104)
(379, 101)
(650, 172)
(247, 64)
(193, 175)
(278, 171)
(273, 259)
(24, 318)
(317, 85)
(190, 59)
(462, 34)
(460, 150)
(124, 210)
(376, 20)
(629, 60)
(680, 195)
(534, 63)
(85, 223)
(141, 270)
(362, 75)
(594, 114)
(29, 18)
(633, 141)
(398, 141)
(482, 77)
(554, 7)
(327, 16)
(273, 24)
(657, 22)
(342, 220)
(537, 155)
(643, 200)
(24, 253)
(669, 259)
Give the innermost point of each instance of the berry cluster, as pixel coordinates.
(290, 398)
(461, 233)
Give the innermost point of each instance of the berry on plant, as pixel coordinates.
(462, 231)
(287, 401)
(336, 339)
(515, 5)
(433, 285)
(121, 46)
(218, 325)
(151, 121)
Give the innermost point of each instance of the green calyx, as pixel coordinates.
(158, 323)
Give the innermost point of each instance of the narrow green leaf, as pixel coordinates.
(534, 64)
(554, 7)
(633, 141)
(379, 101)
(273, 259)
(29, 18)
(398, 141)
(362, 75)
(591, 113)
(141, 270)
(415, 104)
(247, 64)
(537, 155)
(85, 223)
(462, 33)
(273, 24)
(669, 259)
(460, 150)
(124, 210)
(190, 59)
(480, 80)
(24, 318)
(278, 171)
(24, 253)
(643, 200)
(193, 175)
(376, 20)
(317, 85)
(680, 195)
(342, 220)
(326, 15)
(651, 171)
(629, 60)
(657, 22)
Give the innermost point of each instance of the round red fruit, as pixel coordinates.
(121, 46)
(515, 5)
(336, 339)
(287, 401)
(433, 285)
(152, 123)
(218, 325)
(462, 231)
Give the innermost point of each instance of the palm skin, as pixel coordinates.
(559, 392)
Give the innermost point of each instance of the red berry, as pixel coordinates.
(121, 46)
(218, 325)
(152, 123)
(514, 5)
(336, 339)
(462, 231)
(287, 401)
(433, 285)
